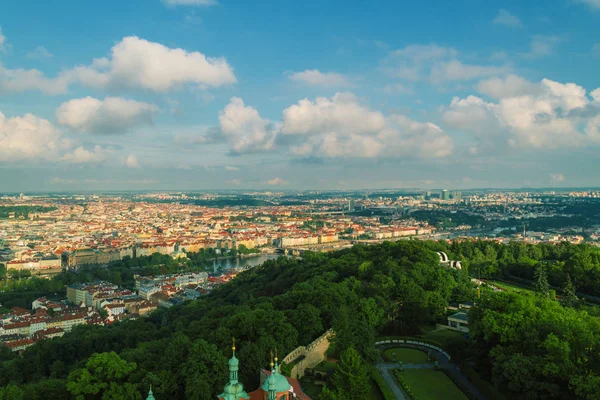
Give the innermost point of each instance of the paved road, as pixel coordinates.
(385, 369)
(451, 369)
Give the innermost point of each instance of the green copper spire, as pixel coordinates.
(150, 394)
(271, 383)
(234, 390)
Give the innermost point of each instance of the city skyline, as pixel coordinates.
(216, 95)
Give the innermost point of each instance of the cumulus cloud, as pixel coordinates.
(134, 63)
(277, 181)
(244, 129)
(173, 3)
(512, 85)
(231, 168)
(591, 3)
(39, 53)
(2, 39)
(436, 64)
(506, 18)
(396, 89)
(336, 127)
(28, 138)
(314, 77)
(132, 162)
(455, 70)
(111, 115)
(342, 127)
(23, 80)
(557, 178)
(550, 116)
(542, 46)
(82, 155)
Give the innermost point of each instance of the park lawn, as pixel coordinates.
(444, 337)
(374, 392)
(406, 355)
(511, 287)
(429, 384)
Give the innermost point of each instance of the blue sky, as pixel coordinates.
(285, 94)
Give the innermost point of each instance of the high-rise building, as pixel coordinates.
(351, 205)
(445, 195)
(457, 196)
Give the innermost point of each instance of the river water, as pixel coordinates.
(242, 263)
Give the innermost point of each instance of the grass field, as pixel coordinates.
(428, 384)
(406, 355)
(443, 336)
(511, 287)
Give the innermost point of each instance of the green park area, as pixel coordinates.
(406, 355)
(511, 287)
(429, 384)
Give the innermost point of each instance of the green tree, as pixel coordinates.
(351, 377)
(540, 280)
(569, 297)
(104, 375)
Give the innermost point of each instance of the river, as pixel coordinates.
(243, 263)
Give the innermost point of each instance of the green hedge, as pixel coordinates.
(405, 387)
(385, 390)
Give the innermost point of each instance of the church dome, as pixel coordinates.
(277, 380)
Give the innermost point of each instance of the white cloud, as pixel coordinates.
(56, 179)
(23, 80)
(315, 77)
(83, 156)
(512, 85)
(423, 53)
(557, 178)
(455, 70)
(541, 46)
(552, 116)
(111, 115)
(134, 63)
(243, 128)
(231, 168)
(28, 138)
(342, 127)
(39, 53)
(411, 62)
(2, 39)
(591, 3)
(173, 3)
(506, 18)
(132, 162)
(340, 113)
(396, 89)
(277, 181)
(335, 127)
(236, 182)
(435, 63)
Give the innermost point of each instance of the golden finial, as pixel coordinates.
(272, 364)
(233, 343)
(276, 359)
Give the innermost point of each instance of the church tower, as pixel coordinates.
(234, 390)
